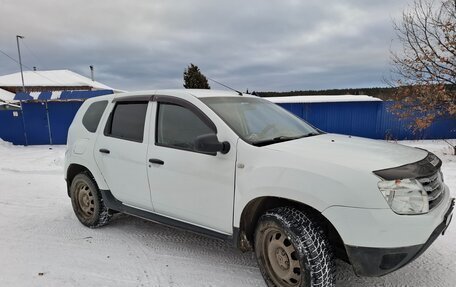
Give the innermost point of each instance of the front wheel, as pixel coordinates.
(292, 250)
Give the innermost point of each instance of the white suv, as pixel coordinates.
(240, 168)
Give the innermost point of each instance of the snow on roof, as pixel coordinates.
(323, 99)
(53, 78)
(6, 96)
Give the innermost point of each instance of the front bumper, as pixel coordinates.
(372, 262)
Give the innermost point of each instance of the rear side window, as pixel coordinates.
(93, 115)
(127, 121)
(178, 127)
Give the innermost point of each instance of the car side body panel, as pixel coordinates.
(80, 143)
(267, 172)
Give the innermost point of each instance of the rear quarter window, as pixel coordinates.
(93, 115)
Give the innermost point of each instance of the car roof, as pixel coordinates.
(200, 93)
(180, 93)
(197, 93)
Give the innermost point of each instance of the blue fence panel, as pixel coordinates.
(12, 127)
(63, 95)
(36, 123)
(442, 128)
(368, 119)
(390, 125)
(61, 115)
(357, 118)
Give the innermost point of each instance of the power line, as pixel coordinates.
(32, 53)
(31, 70)
(9, 56)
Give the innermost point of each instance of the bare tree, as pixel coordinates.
(425, 67)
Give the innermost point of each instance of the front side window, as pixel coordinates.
(178, 127)
(127, 121)
(93, 115)
(258, 121)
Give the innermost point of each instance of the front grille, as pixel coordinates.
(434, 187)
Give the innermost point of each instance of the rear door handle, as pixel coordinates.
(103, 150)
(156, 161)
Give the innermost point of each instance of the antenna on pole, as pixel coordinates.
(20, 60)
(239, 93)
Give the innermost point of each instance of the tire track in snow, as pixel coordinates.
(151, 239)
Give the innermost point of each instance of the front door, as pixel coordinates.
(185, 184)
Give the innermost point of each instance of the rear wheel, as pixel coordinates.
(87, 202)
(292, 250)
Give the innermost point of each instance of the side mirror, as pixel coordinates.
(209, 143)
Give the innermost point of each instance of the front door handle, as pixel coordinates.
(156, 161)
(103, 150)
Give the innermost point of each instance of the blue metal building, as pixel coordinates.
(362, 116)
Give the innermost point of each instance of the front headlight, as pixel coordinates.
(405, 196)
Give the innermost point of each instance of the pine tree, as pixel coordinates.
(194, 79)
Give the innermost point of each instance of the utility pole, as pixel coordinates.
(20, 60)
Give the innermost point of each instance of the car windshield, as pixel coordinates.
(258, 121)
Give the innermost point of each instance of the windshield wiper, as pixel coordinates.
(282, 139)
(273, 140)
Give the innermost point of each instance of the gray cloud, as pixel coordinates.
(261, 45)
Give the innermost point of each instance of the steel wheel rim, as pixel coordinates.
(281, 259)
(85, 200)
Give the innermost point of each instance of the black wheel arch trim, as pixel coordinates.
(72, 170)
(243, 236)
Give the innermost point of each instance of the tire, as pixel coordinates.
(87, 202)
(292, 250)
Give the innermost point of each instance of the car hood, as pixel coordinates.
(353, 152)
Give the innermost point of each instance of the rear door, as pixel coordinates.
(121, 151)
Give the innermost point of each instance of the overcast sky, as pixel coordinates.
(268, 45)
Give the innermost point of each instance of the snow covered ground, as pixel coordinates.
(43, 244)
